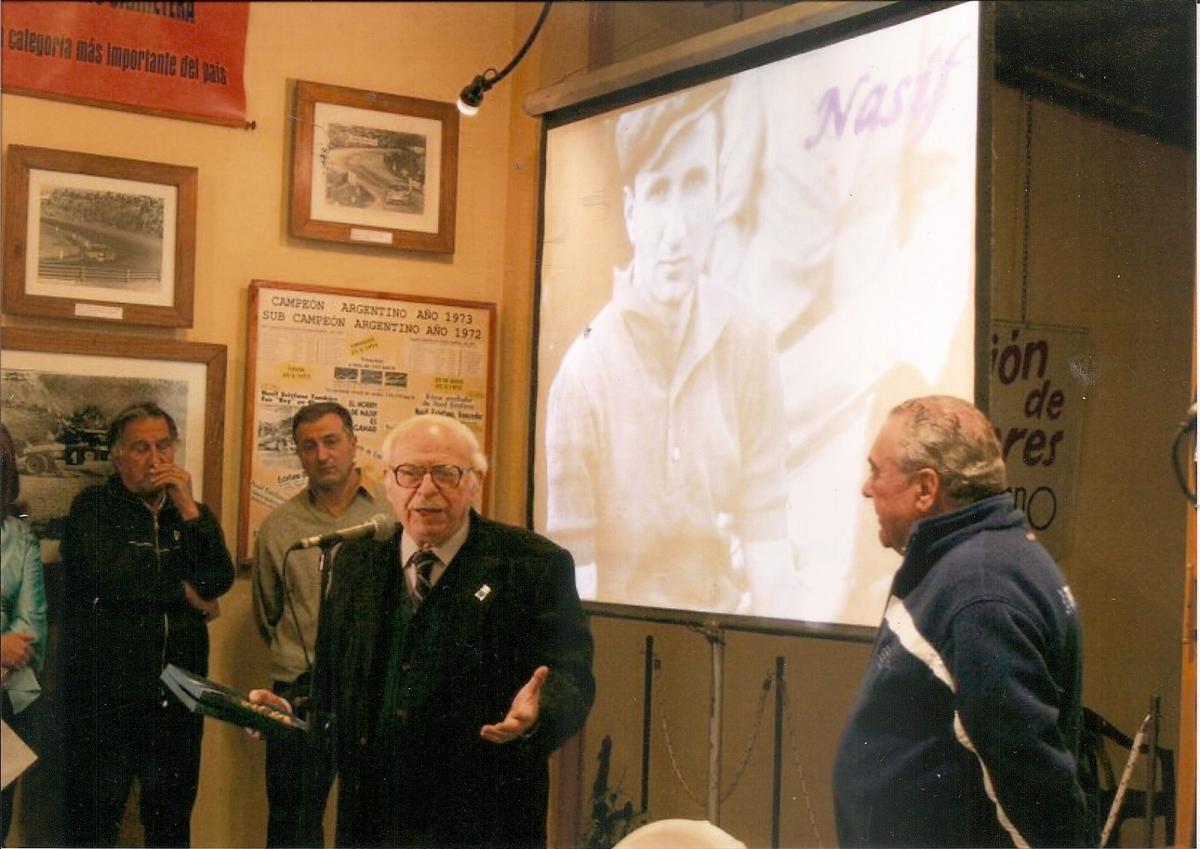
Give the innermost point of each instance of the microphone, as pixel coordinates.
(380, 527)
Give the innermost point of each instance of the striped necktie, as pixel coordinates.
(423, 561)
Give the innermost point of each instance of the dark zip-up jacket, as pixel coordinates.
(126, 615)
(966, 728)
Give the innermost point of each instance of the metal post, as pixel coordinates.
(717, 646)
(1152, 766)
(647, 697)
(777, 780)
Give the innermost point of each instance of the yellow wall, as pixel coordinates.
(425, 50)
(1112, 217)
(1112, 240)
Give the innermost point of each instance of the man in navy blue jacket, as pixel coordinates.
(965, 731)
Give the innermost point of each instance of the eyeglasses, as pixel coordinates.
(410, 476)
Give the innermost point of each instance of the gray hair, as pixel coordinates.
(955, 439)
(134, 413)
(429, 421)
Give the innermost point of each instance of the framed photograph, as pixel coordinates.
(62, 390)
(374, 169)
(98, 237)
(381, 355)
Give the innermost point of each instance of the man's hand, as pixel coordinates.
(177, 482)
(523, 715)
(266, 697)
(210, 609)
(16, 649)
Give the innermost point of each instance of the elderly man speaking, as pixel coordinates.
(454, 657)
(966, 728)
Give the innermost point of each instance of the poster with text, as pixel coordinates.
(182, 60)
(383, 357)
(1040, 380)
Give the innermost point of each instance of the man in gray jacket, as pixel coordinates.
(287, 587)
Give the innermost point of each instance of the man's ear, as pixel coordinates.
(477, 496)
(929, 488)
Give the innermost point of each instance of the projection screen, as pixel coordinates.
(738, 280)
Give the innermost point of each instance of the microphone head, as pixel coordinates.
(385, 526)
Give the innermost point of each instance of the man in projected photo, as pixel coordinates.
(666, 443)
(966, 728)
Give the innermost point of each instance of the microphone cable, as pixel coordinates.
(291, 605)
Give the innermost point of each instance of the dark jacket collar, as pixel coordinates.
(932, 537)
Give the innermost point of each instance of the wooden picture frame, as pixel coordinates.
(98, 237)
(62, 389)
(365, 165)
(384, 356)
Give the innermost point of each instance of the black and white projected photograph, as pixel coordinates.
(738, 281)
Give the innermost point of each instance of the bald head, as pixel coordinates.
(440, 472)
(442, 428)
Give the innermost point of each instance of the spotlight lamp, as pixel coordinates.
(472, 94)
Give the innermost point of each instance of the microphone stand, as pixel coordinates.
(324, 567)
(320, 726)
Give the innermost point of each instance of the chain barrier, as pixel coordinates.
(742, 764)
(793, 741)
(793, 738)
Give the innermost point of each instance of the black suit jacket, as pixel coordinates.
(419, 774)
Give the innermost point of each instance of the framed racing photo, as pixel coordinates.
(372, 168)
(61, 391)
(97, 237)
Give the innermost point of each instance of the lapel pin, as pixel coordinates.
(483, 592)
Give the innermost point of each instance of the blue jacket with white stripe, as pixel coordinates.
(965, 731)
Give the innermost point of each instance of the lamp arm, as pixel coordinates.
(524, 47)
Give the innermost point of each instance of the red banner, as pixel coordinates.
(183, 60)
